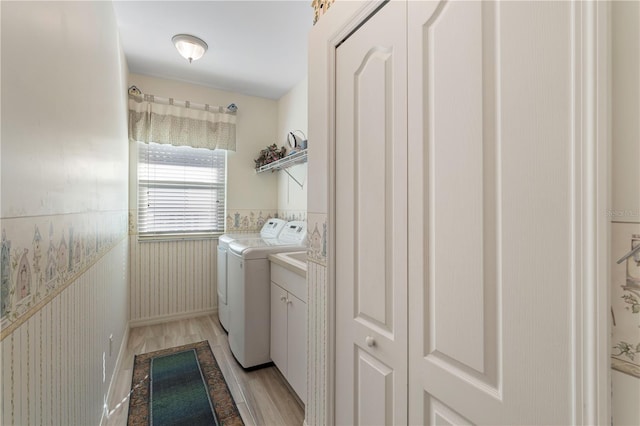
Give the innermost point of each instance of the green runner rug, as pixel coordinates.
(178, 392)
(180, 386)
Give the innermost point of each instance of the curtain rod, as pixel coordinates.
(135, 92)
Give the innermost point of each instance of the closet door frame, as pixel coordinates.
(342, 19)
(591, 318)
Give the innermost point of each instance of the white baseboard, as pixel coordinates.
(171, 317)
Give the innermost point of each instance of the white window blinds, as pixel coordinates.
(181, 190)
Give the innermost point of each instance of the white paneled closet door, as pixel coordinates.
(492, 226)
(371, 220)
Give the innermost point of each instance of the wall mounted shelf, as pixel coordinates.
(284, 163)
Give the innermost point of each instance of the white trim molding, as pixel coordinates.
(342, 19)
(593, 388)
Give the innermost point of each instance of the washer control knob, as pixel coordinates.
(371, 342)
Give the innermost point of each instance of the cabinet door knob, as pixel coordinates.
(283, 298)
(289, 302)
(371, 342)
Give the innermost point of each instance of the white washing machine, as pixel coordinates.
(271, 229)
(249, 275)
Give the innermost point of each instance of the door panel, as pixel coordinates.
(461, 188)
(490, 203)
(371, 206)
(373, 192)
(375, 383)
(440, 414)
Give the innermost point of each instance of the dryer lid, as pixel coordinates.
(263, 252)
(239, 246)
(226, 239)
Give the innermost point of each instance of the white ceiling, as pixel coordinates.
(257, 48)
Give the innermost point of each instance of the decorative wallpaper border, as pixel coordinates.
(290, 215)
(625, 300)
(252, 220)
(239, 221)
(42, 255)
(317, 238)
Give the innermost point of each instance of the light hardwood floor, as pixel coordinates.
(263, 396)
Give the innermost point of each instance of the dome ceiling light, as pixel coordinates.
(190, 47)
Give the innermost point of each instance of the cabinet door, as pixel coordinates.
(297, 346)
(371, 222)
(278, 339)
(494, 165)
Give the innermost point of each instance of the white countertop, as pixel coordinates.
(294, 261)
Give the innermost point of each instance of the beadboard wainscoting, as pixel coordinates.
(171, 279)
(317, 354)
(57, 365)
(318, 322)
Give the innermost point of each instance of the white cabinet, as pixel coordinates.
(289, 327)
(297, 345)
(278, 341)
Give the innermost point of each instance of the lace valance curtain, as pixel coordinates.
(160, 120)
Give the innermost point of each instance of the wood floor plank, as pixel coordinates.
(284, 398)
(246, 414)
(266, 410)
(262, 396)
(228, 374)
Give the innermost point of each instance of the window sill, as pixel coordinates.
(178, 237)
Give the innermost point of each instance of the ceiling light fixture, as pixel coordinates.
(190, 47)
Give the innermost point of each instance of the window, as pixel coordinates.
(181, 190)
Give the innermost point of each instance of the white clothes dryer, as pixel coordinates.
(249, 274)
(271, 229)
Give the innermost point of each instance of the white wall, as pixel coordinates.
(625, 209)
(292, 115)
(256, 124)
(64, 208)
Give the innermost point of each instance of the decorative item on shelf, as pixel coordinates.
(270, 154)
(296, 143)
